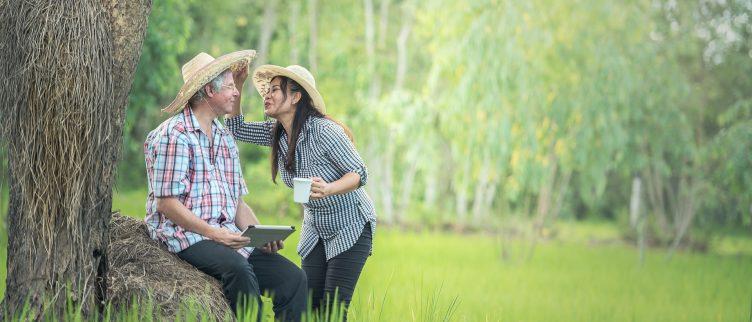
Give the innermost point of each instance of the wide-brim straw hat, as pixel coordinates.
(201, 69)
(263, 75)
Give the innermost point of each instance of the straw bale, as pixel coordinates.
(142, 270)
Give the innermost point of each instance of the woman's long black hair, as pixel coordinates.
(303, 110)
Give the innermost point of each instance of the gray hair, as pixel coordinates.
(215, 83)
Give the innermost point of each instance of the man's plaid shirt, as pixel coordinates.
(205, 178)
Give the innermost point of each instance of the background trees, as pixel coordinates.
(468, 113)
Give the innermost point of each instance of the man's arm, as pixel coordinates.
(244, 216)
(183, 217)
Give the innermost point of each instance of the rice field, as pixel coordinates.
(438, 276)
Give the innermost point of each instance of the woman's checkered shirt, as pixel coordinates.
(323, 150)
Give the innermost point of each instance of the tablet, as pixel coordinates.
(262, 234)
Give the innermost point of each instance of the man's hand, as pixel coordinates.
(228, 238)
(273, 247)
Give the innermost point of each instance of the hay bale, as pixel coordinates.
(160, 283)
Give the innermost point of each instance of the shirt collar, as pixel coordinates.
(303, 131)
(191, 122)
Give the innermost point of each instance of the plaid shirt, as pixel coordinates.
(205, 178)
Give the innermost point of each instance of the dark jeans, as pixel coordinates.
(340, 273)
(242, 278)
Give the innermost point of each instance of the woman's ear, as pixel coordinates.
(296, 97)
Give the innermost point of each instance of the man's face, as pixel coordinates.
(224, 98)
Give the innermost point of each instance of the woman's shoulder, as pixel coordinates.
(322, 126)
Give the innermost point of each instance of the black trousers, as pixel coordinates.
(340, 273)
(249, 278)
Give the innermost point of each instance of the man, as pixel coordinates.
(195, 187)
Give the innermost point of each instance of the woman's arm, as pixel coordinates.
(341, 152)
(320, 188)
(254, 132)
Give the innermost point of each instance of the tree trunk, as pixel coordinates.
(387, 184)
(654, 189)
(68, 68)
(561, 193)
(383, 23)
(293, 24)
(460, 186)
(685, 210)
(545, 196)
(481, 187)
(267, 30)
(634, 201)
(313, 17)
(373, 84)
(406, 191)
(402, 51)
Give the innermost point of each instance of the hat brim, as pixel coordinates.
(234, 61)
(263, 75)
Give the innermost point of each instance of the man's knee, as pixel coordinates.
(294, 288)
(239, 271)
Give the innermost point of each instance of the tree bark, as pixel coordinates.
(68, 67)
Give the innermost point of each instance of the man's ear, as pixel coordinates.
(209, 90)
(296, 97)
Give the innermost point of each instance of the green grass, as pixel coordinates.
(435, 276)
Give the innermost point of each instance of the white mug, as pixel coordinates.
(302, 189)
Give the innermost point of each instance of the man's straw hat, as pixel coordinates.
(264, 74)
(202, 69)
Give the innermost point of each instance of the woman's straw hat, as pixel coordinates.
(202, 69)
(264, 74)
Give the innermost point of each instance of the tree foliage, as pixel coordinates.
(471, 111)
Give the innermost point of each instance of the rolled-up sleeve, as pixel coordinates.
(253, 132)
(171, 165)
(341, 151)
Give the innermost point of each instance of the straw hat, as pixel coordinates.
(264, 74)
(202, 69)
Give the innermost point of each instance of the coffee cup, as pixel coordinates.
(302, 189)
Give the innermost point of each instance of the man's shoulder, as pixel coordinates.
(172, 127)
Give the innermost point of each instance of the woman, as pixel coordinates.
(339, 220)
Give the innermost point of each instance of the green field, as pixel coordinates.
(429, 276)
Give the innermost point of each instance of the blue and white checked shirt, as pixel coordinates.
(323, 150)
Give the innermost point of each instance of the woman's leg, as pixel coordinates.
(314, 266)
(343, 271)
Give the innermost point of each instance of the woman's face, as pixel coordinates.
(275, 103)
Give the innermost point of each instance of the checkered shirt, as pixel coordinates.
(205, 178)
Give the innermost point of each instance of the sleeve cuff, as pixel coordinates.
(234, 121)
(363, 175)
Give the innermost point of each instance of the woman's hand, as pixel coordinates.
(239, 77)
(320, 188)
